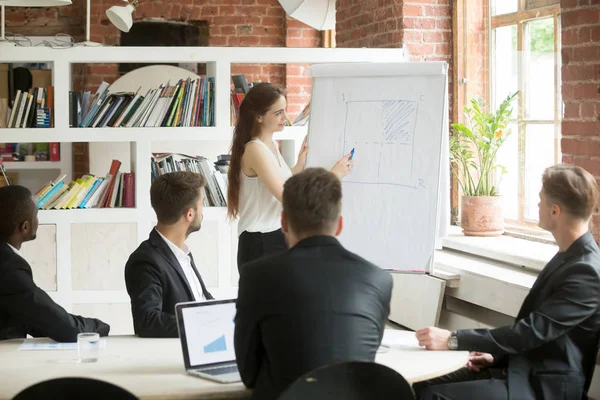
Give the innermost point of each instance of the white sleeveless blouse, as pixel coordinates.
(259, 210)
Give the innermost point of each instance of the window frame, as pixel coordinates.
(525, 14)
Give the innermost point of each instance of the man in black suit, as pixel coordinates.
(312, 305)
(25, 309)
(550, 351)
(161, 272)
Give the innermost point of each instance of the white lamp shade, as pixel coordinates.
(34, 3)
(318, 14)
(121, 17)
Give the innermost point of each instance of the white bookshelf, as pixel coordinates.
(91, 245)
(133, 134)
(33, 165)
(35, 174)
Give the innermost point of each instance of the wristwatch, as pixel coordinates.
(453, 341)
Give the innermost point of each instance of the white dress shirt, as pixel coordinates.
(186, 264)
(17, 252)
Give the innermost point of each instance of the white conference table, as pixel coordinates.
(153, 368)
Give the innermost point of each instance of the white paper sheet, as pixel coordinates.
(400, 339)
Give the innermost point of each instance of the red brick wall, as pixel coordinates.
(426, 27)
(580, 88)
(368, 23)
(231, 23)
(423, 27)
(477, 51)
(47, 21)
(297, 82)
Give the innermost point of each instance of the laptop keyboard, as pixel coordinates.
(220, 370)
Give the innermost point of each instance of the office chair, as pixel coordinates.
(352, 380)
(74, 389)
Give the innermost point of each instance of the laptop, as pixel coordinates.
(206, 335)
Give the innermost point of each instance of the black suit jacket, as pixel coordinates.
(304, 308)
(27, 309)
(156, 282)
(550, 351)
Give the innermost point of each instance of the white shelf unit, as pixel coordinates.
(35, 174)
(91, 246)
(33, 165)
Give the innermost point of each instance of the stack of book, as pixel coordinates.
(215, 192)
(43, 118)
(17, 152)
(241, 87)
(188, 103)
(25, 112)
(236, 101)
(116, 189)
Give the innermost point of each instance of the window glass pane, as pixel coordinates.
(505, 64)
(539, 154)
(539, 75)
(508, 156)
(504, 6)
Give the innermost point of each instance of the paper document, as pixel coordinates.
(400, 339)
(47, 344)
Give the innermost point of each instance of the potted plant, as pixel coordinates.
(473, 154)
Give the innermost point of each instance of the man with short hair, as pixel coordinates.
(312, 305)
(550, 350)
(161, 271)
(25, 309)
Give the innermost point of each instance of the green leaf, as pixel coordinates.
(474, 146)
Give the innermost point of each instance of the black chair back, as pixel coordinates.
(352, 380)
(74, 388)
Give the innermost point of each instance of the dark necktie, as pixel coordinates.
(205, 292)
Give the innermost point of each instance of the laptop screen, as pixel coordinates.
(208, 331)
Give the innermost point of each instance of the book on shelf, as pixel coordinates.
(241, 83)
(236, 101)
(188, 103)
(241, 87)
(116, 189)
(215, 192)
(25, 112)
(17, 152)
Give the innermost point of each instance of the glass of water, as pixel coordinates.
(88, 347)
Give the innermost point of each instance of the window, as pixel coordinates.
(525, 56)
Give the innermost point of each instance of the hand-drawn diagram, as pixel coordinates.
(382, 132)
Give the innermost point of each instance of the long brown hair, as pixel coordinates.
(256, 103)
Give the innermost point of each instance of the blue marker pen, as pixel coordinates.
(351, 154)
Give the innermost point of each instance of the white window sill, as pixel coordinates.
(506, 259)
(516, 251)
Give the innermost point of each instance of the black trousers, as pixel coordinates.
(488, 384)
(253, 245)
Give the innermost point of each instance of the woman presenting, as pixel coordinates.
(257, 172)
